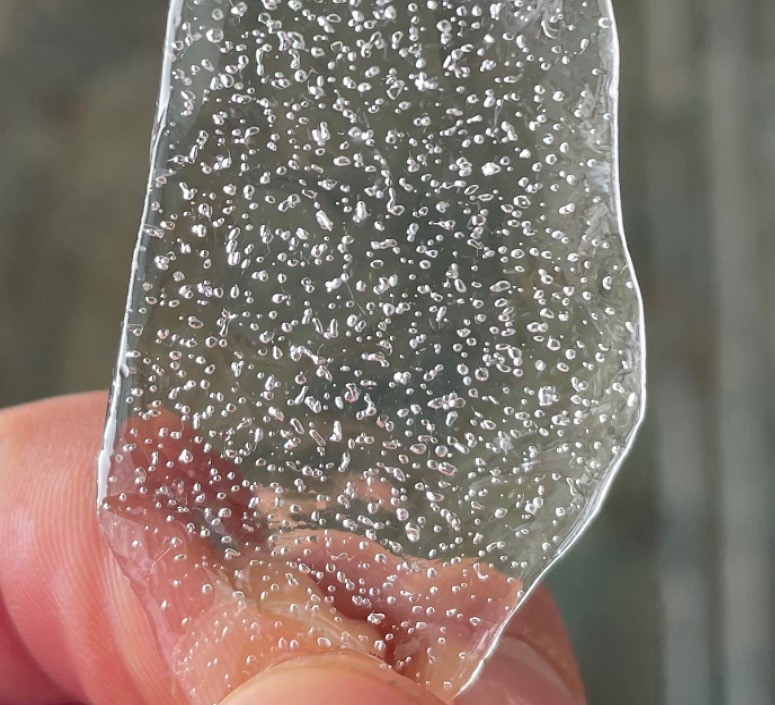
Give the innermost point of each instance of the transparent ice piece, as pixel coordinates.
(382, 351)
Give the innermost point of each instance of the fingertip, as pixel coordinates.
(517, 674)
(539, 625)
(330, 680)
(66, 603)
(534, 663)
(36, 430)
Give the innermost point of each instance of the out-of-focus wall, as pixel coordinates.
(668, 596)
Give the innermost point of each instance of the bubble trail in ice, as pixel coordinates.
(382, 349)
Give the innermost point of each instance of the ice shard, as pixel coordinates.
(382, 351)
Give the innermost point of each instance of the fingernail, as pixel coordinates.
(330, 680)
(518, 675)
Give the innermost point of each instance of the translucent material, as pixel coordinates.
(382, 349)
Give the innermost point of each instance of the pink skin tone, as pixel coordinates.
(73, 630)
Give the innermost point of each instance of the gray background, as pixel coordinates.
(669, 596)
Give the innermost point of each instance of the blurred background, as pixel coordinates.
(669, 596)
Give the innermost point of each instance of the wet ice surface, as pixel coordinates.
(382, 351)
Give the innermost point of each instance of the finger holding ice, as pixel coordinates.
(383, 342)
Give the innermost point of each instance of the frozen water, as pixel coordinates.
(382, 349)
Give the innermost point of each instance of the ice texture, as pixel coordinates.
(382, 351)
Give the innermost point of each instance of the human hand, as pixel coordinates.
(71, 628)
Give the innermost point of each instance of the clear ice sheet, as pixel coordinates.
(382, 351)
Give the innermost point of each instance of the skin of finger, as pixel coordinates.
(69, 605)
(330, 680)
(21, 679)
(69, 609)
(539, 624)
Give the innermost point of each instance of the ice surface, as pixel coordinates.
(382, 349)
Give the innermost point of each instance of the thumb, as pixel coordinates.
(330, 680)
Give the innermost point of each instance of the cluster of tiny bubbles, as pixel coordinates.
(382, 349)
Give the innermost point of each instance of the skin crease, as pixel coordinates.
(72, 629)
